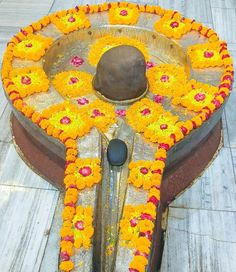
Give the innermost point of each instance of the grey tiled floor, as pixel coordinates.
(201, 231)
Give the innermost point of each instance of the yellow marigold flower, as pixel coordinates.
(145, 173)
(87, 172)
(199, 95)
(33, 47)
(68, 118)
(207, 54)
(164, 130)
(73, 83)
(136, 220)
(66, 266)
(154, 192)
(101, 114)
(66, 231)
(142, 113)
(167, 80)
(83, 228)
(124, 15)
(105, 43)
(67, 247)
(72, 21)
(29, 80)
(173, 27)
(68, 213)
(138, 263)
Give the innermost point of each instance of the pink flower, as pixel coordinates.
(149, 64)
(133, 222)
(121, 113)
(64, 256)
(82, 101)
(85, 171)
(124, 12)
(174, 24)
(158, 98)
(97, 113)
(163, 126)
(144, 170)
(199, 97)
(208, 54)
(76, 61)
(65, 120)
(79, 225)
(146, 112)
(145, 216)
(25, 80)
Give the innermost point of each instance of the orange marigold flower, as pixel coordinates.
(137, 219)
(124, 15)
(83, 228)
(199, 95)
(101, 114)
(68, 213)
(173, 27)
(164, 130)
(72, 21)
(87, 172)
(29, 80)
(33, 47)
(146, 173)
(68, 118)
(142, 113)
(71, 84)
(66, 266)
(207, 55)
(167, 80)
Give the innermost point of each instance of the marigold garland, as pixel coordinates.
(167, 80)
(67, 22)
(29, 80)
(105, 43)
(124, 15)
(199, 96)
(71, 84)
(33, 47)
(209, 55)
(142, 113)
(173, 26)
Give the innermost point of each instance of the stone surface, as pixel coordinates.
(120, 74)
(117, 152)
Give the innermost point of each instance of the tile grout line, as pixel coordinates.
(201, 209)
(31, 188)
(54, 215)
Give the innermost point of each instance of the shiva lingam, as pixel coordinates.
(121, 75)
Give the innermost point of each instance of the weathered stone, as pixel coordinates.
(121, 74)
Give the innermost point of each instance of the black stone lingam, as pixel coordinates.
(121, 74)
(117, 152)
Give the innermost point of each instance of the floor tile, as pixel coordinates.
(26, 216)
(200, 240)
(215, 189)
(14, 172)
